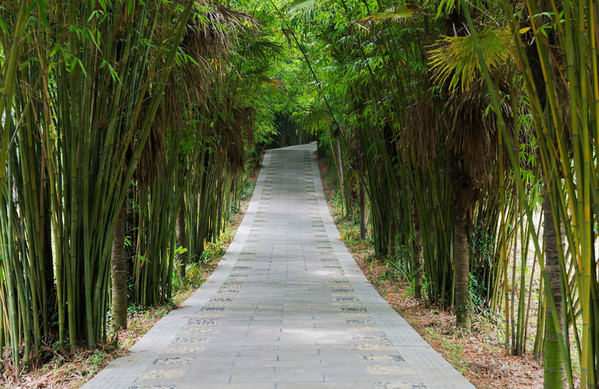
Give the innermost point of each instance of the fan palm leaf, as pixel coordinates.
(455, 59)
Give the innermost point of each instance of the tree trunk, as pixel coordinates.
(339, 165)
(554, 373)
(417, 258)
(462, 270)
(119, 273)
(181, 241)
(362, 194)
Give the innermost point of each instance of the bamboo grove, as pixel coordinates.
(471, 128)
(125, 126)
(463, 136)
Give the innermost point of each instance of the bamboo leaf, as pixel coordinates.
(131, 7)
(113, 73)
(42, 7)
(3, 27)
(103, 4)
(447, 6)
(142, 258)
(77, 62)
(30, 9)
(524, 30)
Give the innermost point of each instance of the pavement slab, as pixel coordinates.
(287, 307)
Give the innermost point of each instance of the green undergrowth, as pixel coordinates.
(197, 272)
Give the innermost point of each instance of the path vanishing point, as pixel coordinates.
(288, 307)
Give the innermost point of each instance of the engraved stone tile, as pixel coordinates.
(196, 330)
(365, 329)
(356, 314)
(229, 291)
(351, 304)
(374, 346)
(174, 360)
(184, 349)
(173, 373)
(343, 294)
(183, 340)
(227, 296)
(232, 285)
(387, 369)
(217, 304)
(204, 314)
(352, 309)
(204, 322)
(154, 387)
(398, 385)
(371, 338)
(384, 358)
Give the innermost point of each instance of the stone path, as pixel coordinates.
(288, 308)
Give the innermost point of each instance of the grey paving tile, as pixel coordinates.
(325, 385)
(288, 308)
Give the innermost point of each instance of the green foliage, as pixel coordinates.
(456, 60)
(483, 261)
(212, 250)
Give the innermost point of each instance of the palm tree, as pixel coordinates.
(471, 135)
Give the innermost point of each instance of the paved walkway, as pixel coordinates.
(288, 308)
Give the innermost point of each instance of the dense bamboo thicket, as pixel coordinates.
(125, 126)
(74, 130)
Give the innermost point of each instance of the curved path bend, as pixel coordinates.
(288, 308)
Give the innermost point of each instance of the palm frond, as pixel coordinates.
(455, 59)
(390, 14)
(472, 132)
(262, 49)
(419, 138)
